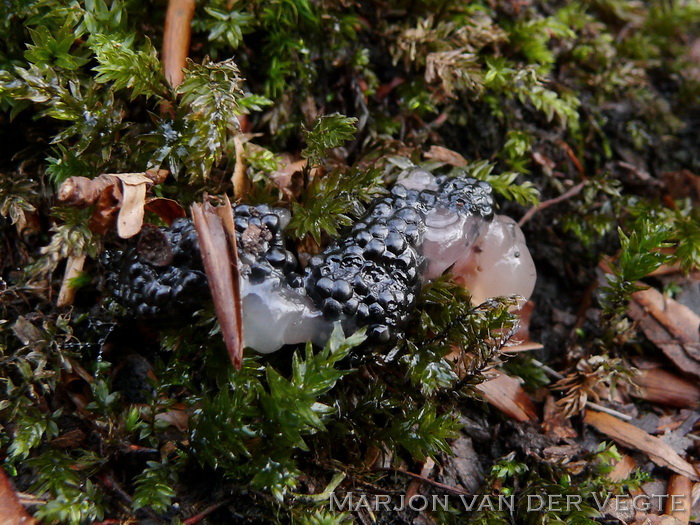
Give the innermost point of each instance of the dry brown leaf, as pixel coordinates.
(115, 196)
(11, 510)
(671, 326)
(679, 501)
(104, 215)
(226, 214)
(657, 385)
(445, 155)
(175, 417)
(218, 265)
(71, 439)
(630, 436)
(131, 213)
(167, 209)
(506, 394)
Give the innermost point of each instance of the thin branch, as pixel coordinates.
(546, 204)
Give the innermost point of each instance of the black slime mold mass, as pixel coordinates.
(371, 277)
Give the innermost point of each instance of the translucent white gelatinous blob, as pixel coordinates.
(498, 263)
(448, 235)
(417, 179)
(275, 315)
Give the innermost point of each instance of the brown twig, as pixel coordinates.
(176, 39)
(446, 488)
(546, 204)
(193, 520)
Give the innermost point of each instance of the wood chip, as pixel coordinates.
(679, 502)
(670, 326)
(622, 469)
(506, 394)
(630, 436)
(11, 510)
(660, 386)
(218, 265)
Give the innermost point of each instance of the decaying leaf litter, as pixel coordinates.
(584, 119)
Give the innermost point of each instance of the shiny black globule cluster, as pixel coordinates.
(371, 277)
(179, 287)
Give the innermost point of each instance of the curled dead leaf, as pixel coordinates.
(221, 266)
(116, 197)
(167, 209)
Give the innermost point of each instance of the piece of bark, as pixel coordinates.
(679, 502)
(630, 436)
(660, 386)
(176, 39)
(670, 326)
(506, 394)
(218, 265)
(74, 266)
(11, 510)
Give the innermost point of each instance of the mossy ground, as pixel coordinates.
(104, 418)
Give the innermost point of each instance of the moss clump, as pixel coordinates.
(536, 98)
